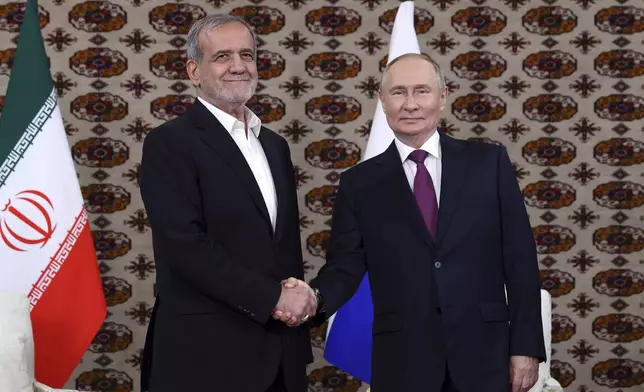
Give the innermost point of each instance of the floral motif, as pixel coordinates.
(620, 20)
(332, 154)
(169, 107)
(619, 328)
(549, 20)
(333, 109)
(557, 282)
(619, 373)
(265, 20)
(333, 21)
(111, 338)
(320, 200)
(478, 65)
(423, 20)
(12, 14)
(479, 21)
(549, 194)
(550, 108)
(619, 283)
(330, 378)
(550, 64)
(619, 239)
(549, 151)
(98, 16)
(267, 108)
(175, 18)
(98, 62)
(622, 195)
(99, 107)
(333, 65)
(478, 108)
(317, 243)
(104, 380)
(269, 64)
(105, 198)
(170, 64)
(553, 239)
(6, 61)
(110, 244)
(563, 328)
(619, 152)
(620, 63)
(117, 291)
(620, 107)
(562, 372)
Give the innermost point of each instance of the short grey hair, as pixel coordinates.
(440, 77)
(212, 22)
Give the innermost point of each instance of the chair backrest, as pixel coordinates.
(16, 343)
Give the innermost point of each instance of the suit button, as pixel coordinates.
(437, 264)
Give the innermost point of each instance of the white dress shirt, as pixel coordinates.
(432, 162)
(252, 150)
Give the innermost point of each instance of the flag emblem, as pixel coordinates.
(26, 221)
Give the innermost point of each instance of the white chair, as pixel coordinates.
(545, 382)
(17, 346)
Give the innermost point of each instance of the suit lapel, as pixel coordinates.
(218, 138)
(401, 194)
(453, 177)
(275, 161)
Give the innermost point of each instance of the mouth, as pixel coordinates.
(410, 119)
(237, 80)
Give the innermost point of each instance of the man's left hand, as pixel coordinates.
(524, 372)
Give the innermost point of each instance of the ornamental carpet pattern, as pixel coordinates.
(559, 83)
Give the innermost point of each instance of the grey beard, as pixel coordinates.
(225, 95)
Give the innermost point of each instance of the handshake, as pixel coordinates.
(297, 303)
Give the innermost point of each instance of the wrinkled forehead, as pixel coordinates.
(410, 72)
(231, 37)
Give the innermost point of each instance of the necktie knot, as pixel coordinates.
(418, 156)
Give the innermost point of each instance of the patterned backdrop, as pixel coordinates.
(557, 82)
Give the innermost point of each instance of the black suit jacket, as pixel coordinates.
(438, 303)
(219, 263)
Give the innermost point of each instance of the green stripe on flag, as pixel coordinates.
(30, 87)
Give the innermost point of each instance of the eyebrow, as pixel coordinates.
(229, 51)
(401, 87)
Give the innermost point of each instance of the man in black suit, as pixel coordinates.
(220, 193)
(437, 275)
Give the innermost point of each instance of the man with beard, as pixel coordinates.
(220, 194)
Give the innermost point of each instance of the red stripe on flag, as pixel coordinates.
(69, 307)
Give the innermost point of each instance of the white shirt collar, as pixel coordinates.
(230, 122)
(432, 146)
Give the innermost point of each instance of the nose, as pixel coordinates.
(410, 103)
(237, 65)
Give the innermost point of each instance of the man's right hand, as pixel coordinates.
(297, 301)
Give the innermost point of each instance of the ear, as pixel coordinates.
(443, 98)
(382, 101)
(192, 69)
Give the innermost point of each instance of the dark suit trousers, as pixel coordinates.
(448, 384)
(278, 385)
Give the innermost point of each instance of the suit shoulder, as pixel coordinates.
(274, 136)
(482, 147)
(364, 173)
(177, 130)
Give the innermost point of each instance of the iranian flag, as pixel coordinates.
(46, 249)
